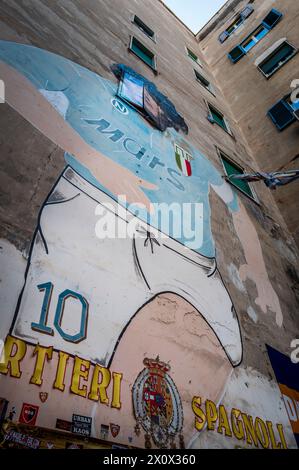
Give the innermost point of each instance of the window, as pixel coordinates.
(235, 25)
(255, 37)
(193, 57)
(232, 168)
(144, 28)
(267, 24)
(283, 112)
(277, 59)
(216, 117)
(131, 89)
(236, 54)
(143, 95)
(272, 19)
(143, 53)
(137, 92)
(242, 16)
(204, 82)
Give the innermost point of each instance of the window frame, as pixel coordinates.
(295, 51)
(240, 16)
(224, 156)
(279, 16)
(284, 101)
(210, 118)
(197, 61)
(152, 67)
(253, 37)
(139, 26)
(138, 108)
(209, 87)
(264, 25)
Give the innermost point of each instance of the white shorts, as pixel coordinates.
(87, 290)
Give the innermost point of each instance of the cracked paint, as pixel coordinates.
(255, 268)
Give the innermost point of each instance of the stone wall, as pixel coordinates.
(110, 312)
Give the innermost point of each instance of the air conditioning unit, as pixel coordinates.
(296, 114)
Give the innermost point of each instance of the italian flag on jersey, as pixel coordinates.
(183, 160)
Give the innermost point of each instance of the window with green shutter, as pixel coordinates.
(143, 52)
(216, 117)
(204, 81)
(193, 57)
(144, 28)
(232, 168)
(277, 59)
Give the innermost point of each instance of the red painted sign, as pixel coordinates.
(114, 428)
(29, 414)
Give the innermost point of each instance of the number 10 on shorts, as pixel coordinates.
(61, 301)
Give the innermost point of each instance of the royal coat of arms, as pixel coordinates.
(157, 404)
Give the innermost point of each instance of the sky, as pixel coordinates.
(194, 13)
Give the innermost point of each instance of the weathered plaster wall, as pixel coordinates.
(255, 254)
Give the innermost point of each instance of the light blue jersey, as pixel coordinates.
(88, 103)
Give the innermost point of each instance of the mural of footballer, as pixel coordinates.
(120, 287)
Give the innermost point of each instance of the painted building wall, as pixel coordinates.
(161, 341)
(250, 94)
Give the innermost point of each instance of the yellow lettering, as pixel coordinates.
(211, 414)
(13, 353)
(249, 428)
(223, 422)
(261, 432)
(60, 372)
(238, 429)
(200, 417)
(272, 436)
(79, 373)
(281, 434)
(42, 354)
(116, 403)
(98, 388)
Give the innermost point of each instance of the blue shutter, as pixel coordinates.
(247, 12)
(282, 114)
(272, 19)
(223, 36)
(236, 54)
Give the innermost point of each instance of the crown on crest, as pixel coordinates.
(156, 366)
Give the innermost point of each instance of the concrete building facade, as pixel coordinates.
(155, 335)
(252, 91)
